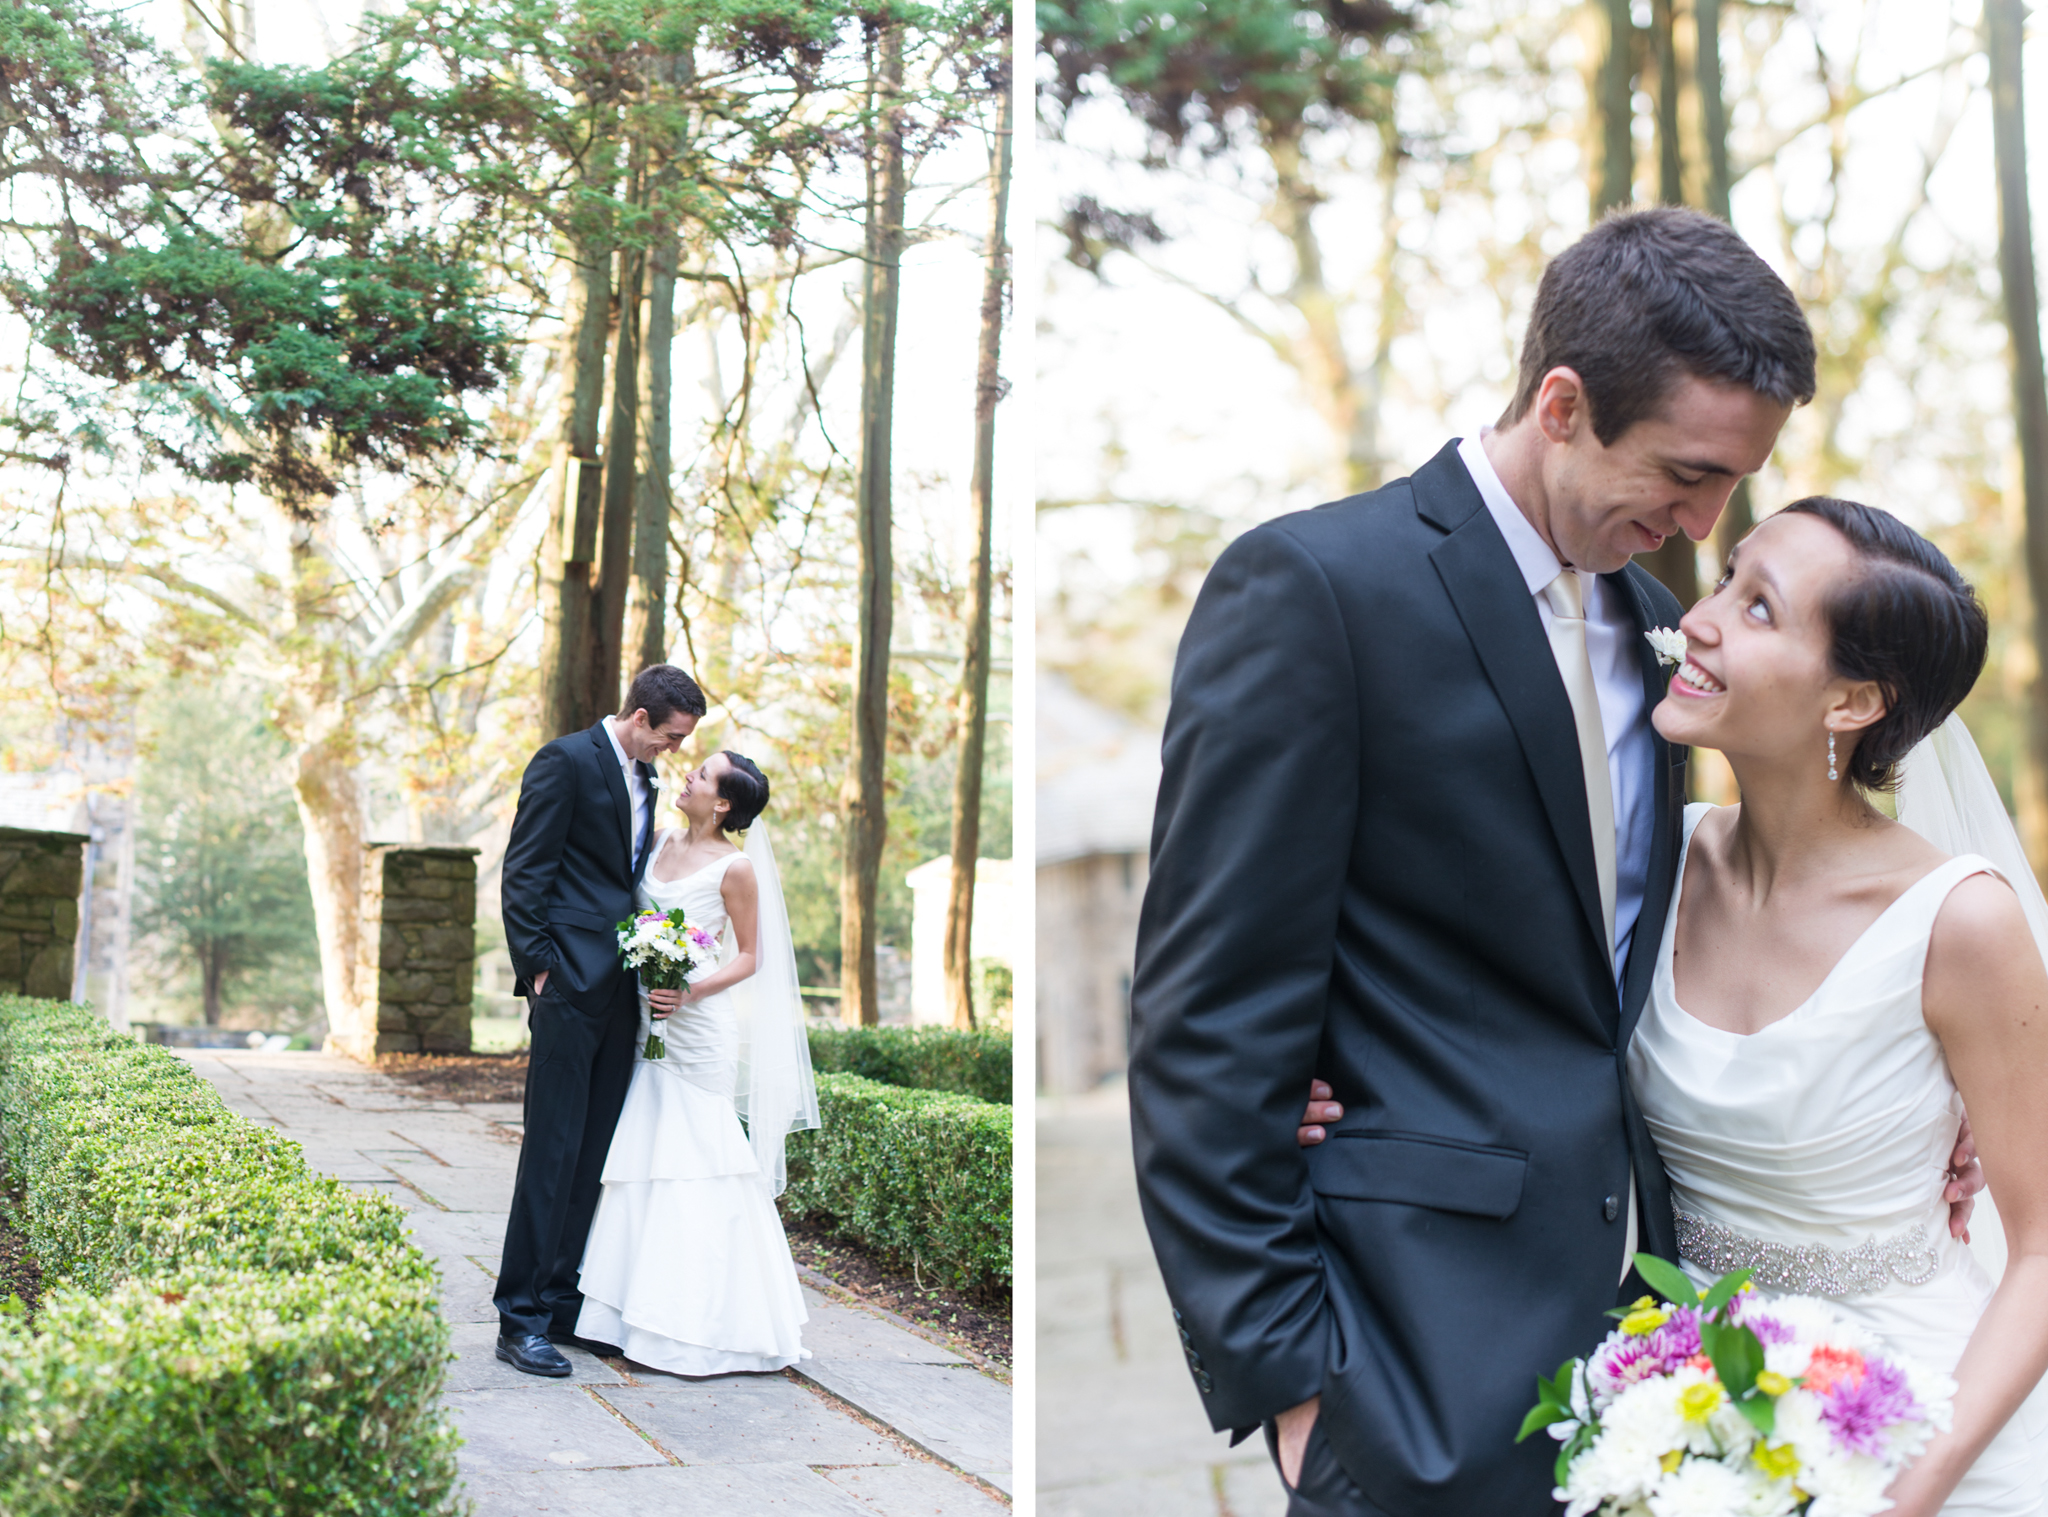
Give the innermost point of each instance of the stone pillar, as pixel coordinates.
(418, 965)
(41, 874)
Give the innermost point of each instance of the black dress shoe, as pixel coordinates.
(531, 1354)
(589, 1345)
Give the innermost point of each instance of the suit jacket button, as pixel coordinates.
(1612, 1207)
(1202, 1379)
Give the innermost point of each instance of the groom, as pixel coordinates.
(579, 843)
(1416, 835)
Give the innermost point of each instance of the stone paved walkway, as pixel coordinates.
(1120, 1426)
(879, 1421)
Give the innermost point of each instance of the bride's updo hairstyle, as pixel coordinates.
(744, 789)
(1910, 623)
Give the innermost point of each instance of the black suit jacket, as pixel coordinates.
(1372, 861)
(570, 871)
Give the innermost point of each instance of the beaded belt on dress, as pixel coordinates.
(1811, 1268)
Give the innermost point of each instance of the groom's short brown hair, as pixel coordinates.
(1649, 296)
(661, 690)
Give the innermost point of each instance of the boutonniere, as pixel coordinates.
(1668, 645)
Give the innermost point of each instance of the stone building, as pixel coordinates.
(1098, 776)
(40, 875)
(417, 968)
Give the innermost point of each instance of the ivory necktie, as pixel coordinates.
(1568, 647)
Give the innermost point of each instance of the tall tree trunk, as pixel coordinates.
(313, 718)
(1670, 144)
(211, 962)
(646, 629)
(330, 803)
(2003, 22)
(622, 457)
(1320, 354)
(866, 820)
(570, 546)
(1614, 109)
(1706, 19)
(973, 698)
(1676, 562)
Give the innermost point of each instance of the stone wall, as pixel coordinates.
(41, 874)
(418, 965)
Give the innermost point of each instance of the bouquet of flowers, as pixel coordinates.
(664, 950)
(1718, 1403)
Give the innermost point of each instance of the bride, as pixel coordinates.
(687, 1268)
(1833, 987)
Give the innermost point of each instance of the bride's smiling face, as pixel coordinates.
(1757, 680)
(698, 798)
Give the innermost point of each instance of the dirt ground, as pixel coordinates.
(979, 1320)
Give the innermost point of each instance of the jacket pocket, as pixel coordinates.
(570, 916)
(1414, 1170)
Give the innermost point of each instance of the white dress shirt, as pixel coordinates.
(636, 788)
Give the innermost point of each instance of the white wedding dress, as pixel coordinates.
(687, 1268)
(1815, 1152)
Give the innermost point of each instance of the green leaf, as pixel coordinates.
(1723, 1291)
(1761, 1411)
(1667, 1280)
(1542, 1416)
(1573, 1447)
(1737, 1355)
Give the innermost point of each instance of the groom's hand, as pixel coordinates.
(1292, 1427)
(1965, 1179)
(540, 982)
(1320, 1109)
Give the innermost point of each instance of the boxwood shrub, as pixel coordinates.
(923, 1058)
(221, 1329)
(920, 1173)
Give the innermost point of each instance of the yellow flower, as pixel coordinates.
(1778, 1463)
(1672, 1460)
(1771, 1383)
(1697, 1403)
(1645, 1317)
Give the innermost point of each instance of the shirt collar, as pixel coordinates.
(617, 746)
(1533, 556)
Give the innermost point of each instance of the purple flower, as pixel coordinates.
(1677, 1340)
(1858, 1413)
(1622, 1361)
(1768, 1330)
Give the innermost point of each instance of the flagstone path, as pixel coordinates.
(880, 1422)
(1121, 1431)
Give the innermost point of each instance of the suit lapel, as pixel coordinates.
(1670, 767)
(1499, 616)
(615, 783)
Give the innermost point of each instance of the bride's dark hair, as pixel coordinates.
(1909, 622)
(744, 788)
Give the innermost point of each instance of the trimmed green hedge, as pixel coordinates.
(221, 1330)
(921, 1173)
(922, 1058)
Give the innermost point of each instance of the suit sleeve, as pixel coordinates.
(1250, 849)
(540, 828)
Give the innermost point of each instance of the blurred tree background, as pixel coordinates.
(1297, 243)
(225, 918)
(417, 371)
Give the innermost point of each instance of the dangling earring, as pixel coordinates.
(1831, 757)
